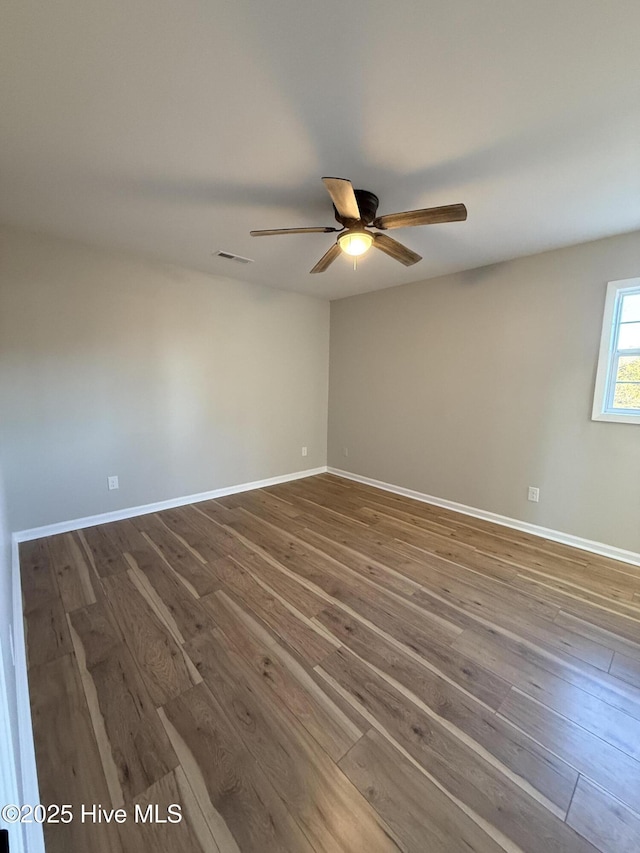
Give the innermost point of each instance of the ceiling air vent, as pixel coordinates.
(231, 257)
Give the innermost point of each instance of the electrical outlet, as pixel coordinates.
(534, 494)
(112, 483)
(345, 451)
(304, 451)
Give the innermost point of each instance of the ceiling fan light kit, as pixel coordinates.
(355, 243)
(355, 210)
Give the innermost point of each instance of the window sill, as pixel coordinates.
(616, 418)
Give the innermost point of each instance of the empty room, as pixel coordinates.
(319, 426)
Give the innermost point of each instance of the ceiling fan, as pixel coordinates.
(355, 210)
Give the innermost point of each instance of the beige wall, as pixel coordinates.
(176, 381)
(472, 387)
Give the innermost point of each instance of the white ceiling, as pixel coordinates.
(173, 128)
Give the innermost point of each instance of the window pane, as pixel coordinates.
(630, 307)
(629, 337)
(628, 368)
(627, 396)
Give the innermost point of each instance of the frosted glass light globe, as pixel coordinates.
(355, 243)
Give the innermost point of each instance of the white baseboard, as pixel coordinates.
(27, 773)
(131, 512)
(599, 548)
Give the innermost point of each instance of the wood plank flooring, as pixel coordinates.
(322, 666)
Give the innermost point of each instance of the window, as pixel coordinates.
(617, 396)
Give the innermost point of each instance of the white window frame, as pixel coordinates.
(607, 361)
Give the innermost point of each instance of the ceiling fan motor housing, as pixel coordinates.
(368, 206)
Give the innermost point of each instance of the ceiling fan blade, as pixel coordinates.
(395, 250)
(327, 259)
(273, 231)
(426, 216)
(343, 197)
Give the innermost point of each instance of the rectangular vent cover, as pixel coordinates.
(231, 257)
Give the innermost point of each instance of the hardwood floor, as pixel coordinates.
(322, 666)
